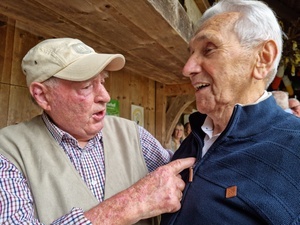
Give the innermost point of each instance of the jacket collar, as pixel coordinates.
(243, 118)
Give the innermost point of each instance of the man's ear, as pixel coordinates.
(40, 94)
(265, 59)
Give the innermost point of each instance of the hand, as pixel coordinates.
(160, 191)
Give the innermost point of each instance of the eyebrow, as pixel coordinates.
(199, 39)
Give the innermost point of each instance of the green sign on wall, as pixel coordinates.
(112, 108)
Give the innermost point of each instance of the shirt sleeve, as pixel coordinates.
(16, 202)
(155, 155)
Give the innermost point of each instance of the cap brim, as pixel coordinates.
(91, 65)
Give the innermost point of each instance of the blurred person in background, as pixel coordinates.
(282, 99)
(177, 137)
(187, 129)
(294, 105)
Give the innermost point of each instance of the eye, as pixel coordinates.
(209, 48)
(87, 86)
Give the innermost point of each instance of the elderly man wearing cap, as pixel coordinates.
(73, 164)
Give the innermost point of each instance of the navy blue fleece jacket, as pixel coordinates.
(250, 175)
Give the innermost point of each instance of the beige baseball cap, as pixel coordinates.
(68, 59)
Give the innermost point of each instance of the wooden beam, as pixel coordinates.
(160, 112)
(176, 16)
(203, 5)
(144, 31)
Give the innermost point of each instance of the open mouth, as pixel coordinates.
(201, 86)
(98, 115)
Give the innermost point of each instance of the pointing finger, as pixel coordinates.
(181, 164)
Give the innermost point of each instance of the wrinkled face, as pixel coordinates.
(79, 107)
(219, 68)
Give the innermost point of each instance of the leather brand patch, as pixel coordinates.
(231, 192)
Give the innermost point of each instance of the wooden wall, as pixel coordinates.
(15, 102)
(130, 89)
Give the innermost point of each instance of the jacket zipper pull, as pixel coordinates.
(191, 174)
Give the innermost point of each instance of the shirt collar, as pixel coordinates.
(263, 97)
(207, 126)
